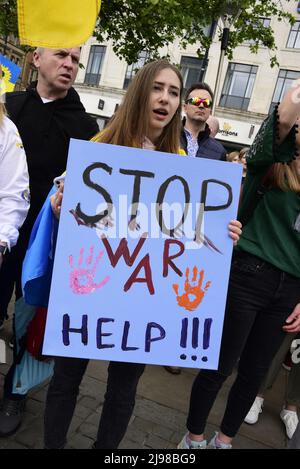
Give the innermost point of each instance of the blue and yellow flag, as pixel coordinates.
(56, 23)
(10, 75)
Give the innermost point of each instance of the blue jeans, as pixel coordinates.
(260, 298)
(118, 406)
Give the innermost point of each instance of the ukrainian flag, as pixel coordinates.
(10, 75)
(56, 24)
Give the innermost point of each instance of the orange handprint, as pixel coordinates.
(195, 291)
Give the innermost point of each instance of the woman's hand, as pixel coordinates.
(289, 110)
(56, 200)
(293, 320)
(235, 231)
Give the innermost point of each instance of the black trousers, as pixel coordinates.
(260, 298)
(11, 270)
(10, 277)
(118, 405)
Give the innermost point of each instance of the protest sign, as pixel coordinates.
(143, 257)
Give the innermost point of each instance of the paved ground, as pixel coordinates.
(159, 417)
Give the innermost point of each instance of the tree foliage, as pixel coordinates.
(8, 18)
(136, 25)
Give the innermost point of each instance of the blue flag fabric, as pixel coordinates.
(38, 262)
(36, 280)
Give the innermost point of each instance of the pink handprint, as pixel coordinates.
(82, 280)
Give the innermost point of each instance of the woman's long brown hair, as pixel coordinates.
(286, 177)
(129, 125)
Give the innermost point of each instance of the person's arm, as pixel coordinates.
(14, 184)
(289, 111)
(293, 321)
(56, 200)
(235, 231)
(275, 141)
(223, 156)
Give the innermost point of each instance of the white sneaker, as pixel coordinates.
(215, 443)
(186, 443)
(256, 409)
(290, 420)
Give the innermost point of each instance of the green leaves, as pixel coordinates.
(136, 25)
(8, 18)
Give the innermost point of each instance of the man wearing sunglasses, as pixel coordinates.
(195, 136)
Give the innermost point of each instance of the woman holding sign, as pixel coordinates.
(263, 302)
(149, 118)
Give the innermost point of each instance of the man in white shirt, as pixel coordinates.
(14, 185)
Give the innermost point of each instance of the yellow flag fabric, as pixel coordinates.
(56, 23)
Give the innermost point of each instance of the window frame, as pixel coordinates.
(93, 79)
(226, 94)
(297, 36)
(185, 73)
(132, 69)
(283, 77)
(249, 42)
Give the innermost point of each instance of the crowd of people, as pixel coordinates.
(263, 301)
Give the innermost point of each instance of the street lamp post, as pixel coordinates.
(205, 58)
(231, 14)
(224, 45)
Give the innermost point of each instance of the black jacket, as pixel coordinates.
(208, 146)
(46, 130)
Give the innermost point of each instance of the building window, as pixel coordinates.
(266, 24)
(238, 86)
(133, 68)
(15, 59)
(93, 71)
(102, 122)
(33, 75)
(284, 82)
(190, 69)
(294, 36)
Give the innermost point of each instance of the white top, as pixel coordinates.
(14, 183)
(46, 100)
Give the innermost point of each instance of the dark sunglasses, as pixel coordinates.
(197, 101)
